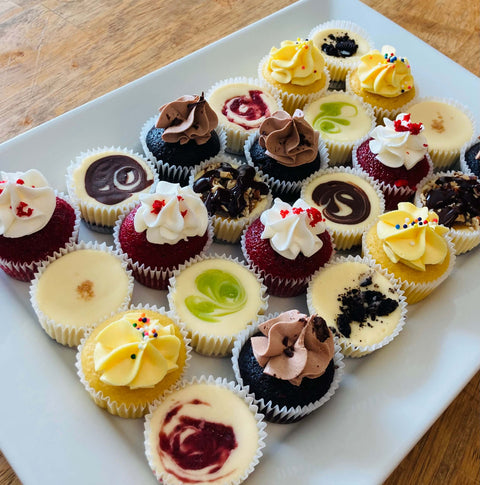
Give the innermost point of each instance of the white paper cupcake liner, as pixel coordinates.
(339, 67)
(415, 292)
(71, 335)
(156, 278)
(227, 229)
(26, 271)
(273, 412)
(283, 188)
(236, 136)
(203, 342)
(290, 101)
(165, 477)
(167, 171)
(123, 409)
(347, 237)
(348, 348)
(101, 217)
(443, 159)
(463, 239)
(464, 167)
(340, 152)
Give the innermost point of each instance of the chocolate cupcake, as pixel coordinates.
(470, 158)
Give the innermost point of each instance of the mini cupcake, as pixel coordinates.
(286, 150)
(168, 228)
(448, 126)
(470, 157)
(34, 222)
(297, 70)
(104, 181)
(361, 303)
(342, 44)
(455, 197)
(184, 134)
(349, 200)
(79, 287)
(233, 193)
(410, 244)
(204, 431)
(342, 119)
(130, 359)
(290, 363)
(241, 105)
(383, 81)
(286, 245)
(216, 297)
(395, 155)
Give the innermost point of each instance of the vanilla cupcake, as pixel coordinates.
(79, 287)
(132, 358)
(216, 297)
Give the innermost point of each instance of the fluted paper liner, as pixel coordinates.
(71, 335)
(165, 477)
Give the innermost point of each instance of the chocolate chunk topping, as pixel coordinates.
(320, 328)
(339, 46)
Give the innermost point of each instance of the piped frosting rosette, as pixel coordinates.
(455, 197)
(28, 206)
(131, 358)
(77, 288)
(216, 297)
(361, 301)
(234, 193)
(291, 348)
(204, 430)
(241, 104)
(104, 181)
(292, 143)
(410, 244)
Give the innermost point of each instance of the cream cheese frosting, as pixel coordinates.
(26, 203)
(171, 214)
(293, 229)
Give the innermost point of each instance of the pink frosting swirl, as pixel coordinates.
(187, 118)
(290, 140)
(294, 346)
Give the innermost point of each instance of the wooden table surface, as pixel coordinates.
(56, 55)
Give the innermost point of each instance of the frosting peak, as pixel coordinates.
(290, 140)
(171, 214)
(399, 143)
(293, 229)
(294, 346)
(298, 62)
(411, 235)
(26, 203)
(384, 73)
(187, 118)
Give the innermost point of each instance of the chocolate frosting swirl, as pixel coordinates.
(333, 194)
(289, 140)
(114, 178)
(187, 118)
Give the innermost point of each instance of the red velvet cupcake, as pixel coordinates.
(167, 229)
(286, 245)
(34, 223)
(396, 156)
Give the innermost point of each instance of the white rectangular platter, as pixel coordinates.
(51, 432)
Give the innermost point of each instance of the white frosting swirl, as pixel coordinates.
(26, 203)
(293, 229)
(399, 143)
(171, 214)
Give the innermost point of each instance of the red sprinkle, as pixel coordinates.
(297, 210)
(20, 182)
(157, 206)
(21, 212)
(315, 216)
(284, 213)
(179, 197)
(184, 213)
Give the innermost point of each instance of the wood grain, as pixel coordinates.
(56, 55)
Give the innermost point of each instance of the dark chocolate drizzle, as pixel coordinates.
(329, 194)
(339, 46)
(114, 178)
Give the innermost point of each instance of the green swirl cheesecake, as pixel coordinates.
(216, 298)
(342, 119)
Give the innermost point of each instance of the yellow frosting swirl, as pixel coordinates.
(136, 351)
(411, 235)
(298, 63)
(384, 73)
